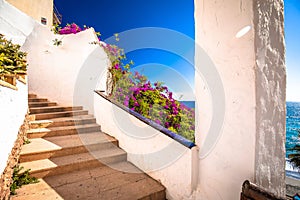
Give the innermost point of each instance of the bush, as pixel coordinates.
(153, 101)
(12, 60)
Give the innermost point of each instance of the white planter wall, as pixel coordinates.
(158, 155)
(13, 109)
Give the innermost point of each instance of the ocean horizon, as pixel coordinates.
(190, 104)
(292, 139)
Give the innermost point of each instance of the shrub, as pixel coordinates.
(20, 179)
(12, 60)
(153, 101)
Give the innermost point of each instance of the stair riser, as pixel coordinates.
(157, 195)
(77, 166)
(49, 110)
(65, 152)
(42, 104)
(73, 123)
(63, 132)
(59, 115)
(37, 100)
(32, 96)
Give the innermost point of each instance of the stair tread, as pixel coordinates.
(59, 112)
(61, 128)
(45, 164)
(98, 183)
(38, 103)
(52, 114)
(39, 145)
(53, 107)
(73, 118)
(80, 119)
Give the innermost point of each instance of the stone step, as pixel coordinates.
(72, 121)
(62, 130)
(32, 96)
(46, 148)
(120, 181)
(37, 100)
(64, 121)
(41, 104)
(60, 114)
(51, 109)
(64, 164)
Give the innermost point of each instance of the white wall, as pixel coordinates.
(230, 159)
(65, 73)
(250, 145)
(161, 157)
(14, 24)
(13, 109)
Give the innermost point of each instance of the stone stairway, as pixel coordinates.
(75, 160)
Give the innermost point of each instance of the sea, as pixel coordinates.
(190, 104)
(292, 125)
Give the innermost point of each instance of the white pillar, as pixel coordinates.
(248, 128)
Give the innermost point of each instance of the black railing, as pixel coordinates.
(176, 137)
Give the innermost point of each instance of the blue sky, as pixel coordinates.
(116, 16)
(292, 35)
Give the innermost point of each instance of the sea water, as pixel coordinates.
(190, 104)
(292, 125)
(292, 135)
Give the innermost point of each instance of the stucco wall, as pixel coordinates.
(66, 73)
(251, 67)
(270, 95)
(14, 24)
(230, 158)
(13, 109)
(36, 9)
(161, 157)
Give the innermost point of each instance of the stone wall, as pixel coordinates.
(6, 176)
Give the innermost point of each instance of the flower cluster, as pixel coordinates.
(154, 102)
(134, 91)
(69, 29)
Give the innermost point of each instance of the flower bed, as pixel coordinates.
(153, 101)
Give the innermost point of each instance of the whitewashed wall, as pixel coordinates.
(252, 71)
(66, 73)
(13, 109)
(161, 157)
(232, 158)
(15, 26)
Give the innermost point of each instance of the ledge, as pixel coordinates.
(185, 142)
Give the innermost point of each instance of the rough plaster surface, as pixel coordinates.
(270, 95)
(231, 161)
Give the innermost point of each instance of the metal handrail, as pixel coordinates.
(57, 15)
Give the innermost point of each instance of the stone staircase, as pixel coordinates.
(75, 160)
